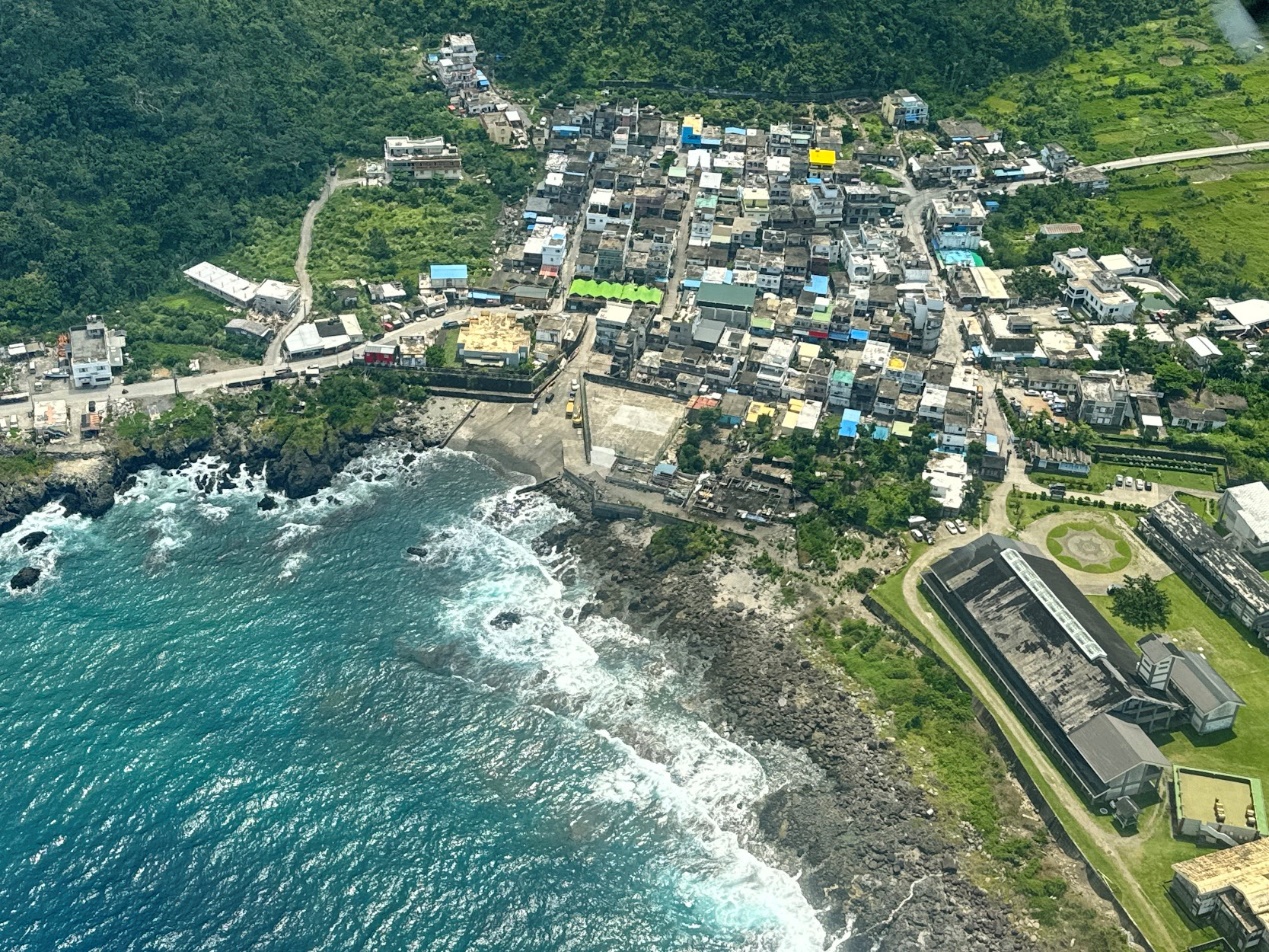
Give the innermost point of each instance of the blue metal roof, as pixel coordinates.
(818, 283)
(858, 335)
(838, 336)
(848, 428)
(448, 272)
(734, 131)
(881, 433)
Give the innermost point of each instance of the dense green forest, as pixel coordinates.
(138, 136)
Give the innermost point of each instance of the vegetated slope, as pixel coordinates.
(138, 136)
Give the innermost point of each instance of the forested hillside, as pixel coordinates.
(139, 135)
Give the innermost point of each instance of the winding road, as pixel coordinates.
(273, 356)
(1163, 158)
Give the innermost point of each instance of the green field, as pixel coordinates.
(1221, 205)
(391, 233)
(1165, 86)
(1116, 549)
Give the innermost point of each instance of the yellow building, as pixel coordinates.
(822, 160)
(791, 415)
(758, 410)
(492, 339)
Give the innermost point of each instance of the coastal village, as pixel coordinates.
(703, 322)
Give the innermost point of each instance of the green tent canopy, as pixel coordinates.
(610, 291)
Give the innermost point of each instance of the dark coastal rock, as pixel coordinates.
(505, 620)
(31, 540)
(860, 835)
(408, 459)
(267, 503)
(418, 551)
(25, 578)
(440, 659)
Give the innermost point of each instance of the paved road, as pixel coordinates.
(273, 356)
(1163, 158)
(670, 302)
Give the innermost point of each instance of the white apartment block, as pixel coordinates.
(1092, 288)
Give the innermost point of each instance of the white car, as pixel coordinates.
(951, 527)
(1140, 484)
(1031, 393)
(960, 525)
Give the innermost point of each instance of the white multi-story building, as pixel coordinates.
(904, 109)
(1091, 287)
(96, 352)
(773, 366)
(274, 297)
(421, 159)
(926, 307)
(956, 222)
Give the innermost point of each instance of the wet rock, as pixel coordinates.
(417, 551)
(25, 578)
(407, 459)
(267, 503)
(504, 620)
(31, 540)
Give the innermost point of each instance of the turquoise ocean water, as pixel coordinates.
(228, 729)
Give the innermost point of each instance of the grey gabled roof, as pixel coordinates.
(1194, 678)
(1113, 747)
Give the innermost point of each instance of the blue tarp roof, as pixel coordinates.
(484, 296)
(993, 445)
(734, 131)
(567, 130)
(858, 335)
(814, 180)
(853, 415)
(848, 428)
(693, 283)
(838, 335)
(881, 433)
(448, 272)
(818, 283)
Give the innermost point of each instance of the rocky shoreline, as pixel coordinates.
(87, 484)
(864, 844)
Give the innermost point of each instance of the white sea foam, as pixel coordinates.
(65, 534)
(676, 770)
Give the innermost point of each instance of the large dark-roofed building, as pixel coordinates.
(1062, 667)
(1212, 565)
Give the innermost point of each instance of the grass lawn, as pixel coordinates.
(1203, 507)
(450, 343)
(1165, 86)
(1116, 549)
(169, 329)
(1103, 474)
(418, 225)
